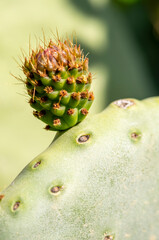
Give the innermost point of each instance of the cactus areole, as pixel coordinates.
(58, 83)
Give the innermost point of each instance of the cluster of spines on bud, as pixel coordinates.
(58, 83)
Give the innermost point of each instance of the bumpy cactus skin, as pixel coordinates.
(58, 83)
(102, 185)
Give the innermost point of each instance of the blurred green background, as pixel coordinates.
(121, 38)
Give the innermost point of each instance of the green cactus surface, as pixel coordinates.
(96, 181)
(58, 83)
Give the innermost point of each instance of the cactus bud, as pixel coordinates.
(58, 83)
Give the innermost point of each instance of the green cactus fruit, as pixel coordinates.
(58, 83)
(96, 181)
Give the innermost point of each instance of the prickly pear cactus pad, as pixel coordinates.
(97, 181)
(58, 84)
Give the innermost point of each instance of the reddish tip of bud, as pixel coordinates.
(70, 111)
(79, 80)
(75, 96)
(70, 80)
(48, 89)
(56, 106)
(84, 111)
(57, 122)
(84, 95)
(56, 78)
(63, 93)
(91, 96)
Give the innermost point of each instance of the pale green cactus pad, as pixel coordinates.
(97, 181)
